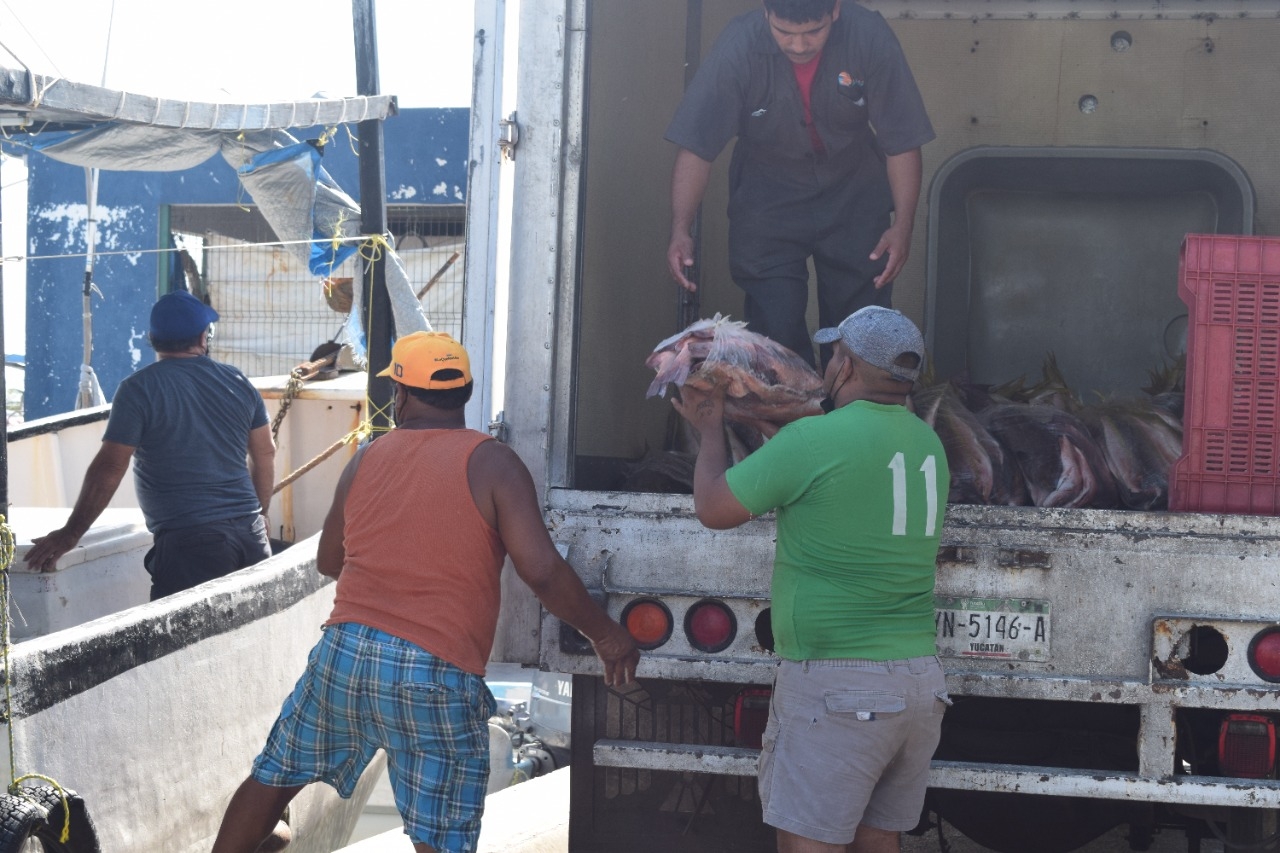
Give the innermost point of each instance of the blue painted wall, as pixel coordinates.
(425, 153)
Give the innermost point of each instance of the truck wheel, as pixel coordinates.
(1254, 830)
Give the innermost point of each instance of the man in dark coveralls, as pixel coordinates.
(829, 124)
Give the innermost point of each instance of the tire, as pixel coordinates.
(49, 820)
(18, 820)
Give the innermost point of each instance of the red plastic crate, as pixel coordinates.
(1231, 424)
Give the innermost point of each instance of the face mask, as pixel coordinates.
(828, 403)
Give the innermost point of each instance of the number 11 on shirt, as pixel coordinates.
(930, 470)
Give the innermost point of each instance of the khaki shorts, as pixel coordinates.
(849, 742)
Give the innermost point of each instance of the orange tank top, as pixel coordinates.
(421, 561)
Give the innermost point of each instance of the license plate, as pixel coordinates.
(1005, 628)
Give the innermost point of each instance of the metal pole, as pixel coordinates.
(84, 397)
(373, 212)
(4, 390)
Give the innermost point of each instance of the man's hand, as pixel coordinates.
(704, 410)
(47, 550)
(713, 501)
(689, 179)
(904, 172)
(897, 242)
(680, 260)
(617, 651)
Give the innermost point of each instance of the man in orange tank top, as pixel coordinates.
(421, 522)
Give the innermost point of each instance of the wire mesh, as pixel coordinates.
(274, 313)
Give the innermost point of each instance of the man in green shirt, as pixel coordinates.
(860, 495)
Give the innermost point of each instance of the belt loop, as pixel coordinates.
(806, 667)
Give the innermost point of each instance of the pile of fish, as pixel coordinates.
(766, 385)
(1043, 446)
(1010, 445)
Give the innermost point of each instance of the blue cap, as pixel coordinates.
(179, 316)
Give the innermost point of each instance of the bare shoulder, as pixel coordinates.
(497, 462)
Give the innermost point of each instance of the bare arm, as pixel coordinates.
(497, 471)
(689, 180)
(262, 464)
(904, 182)
(331, 550)
(713, 500)
(100, 483)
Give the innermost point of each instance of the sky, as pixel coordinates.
(243, 50)
(232, 50)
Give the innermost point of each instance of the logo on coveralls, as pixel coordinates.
(851, 87)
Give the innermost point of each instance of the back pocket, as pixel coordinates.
(865, 705)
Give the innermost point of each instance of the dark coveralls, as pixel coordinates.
(788, 203)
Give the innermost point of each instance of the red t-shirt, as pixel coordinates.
(804, 78)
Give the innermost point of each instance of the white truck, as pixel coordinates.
(1109, 667)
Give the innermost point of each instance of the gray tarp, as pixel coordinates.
(304, 206)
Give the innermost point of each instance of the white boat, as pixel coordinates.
(153, 711)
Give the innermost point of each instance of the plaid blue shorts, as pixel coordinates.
(365, 689)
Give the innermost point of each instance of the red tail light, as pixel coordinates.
(649, 622)
(1247, 746)
(710, 626)
(1264, 654)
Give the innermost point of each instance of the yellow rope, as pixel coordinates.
(7, 549)
(371, 251)
(329, 133)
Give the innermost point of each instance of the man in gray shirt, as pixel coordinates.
(829, 124)
(188, 423)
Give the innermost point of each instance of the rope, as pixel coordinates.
(297, 376)
(7, 550)
(357, 435)
(371, 251)
(291, 390)
(132, 252)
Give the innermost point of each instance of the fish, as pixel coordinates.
(981, 471)
(1051, 390)
(1140, 443)
(766, 385)
(1168, 388)
(1061, 463)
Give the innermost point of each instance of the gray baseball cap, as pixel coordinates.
(879, 336)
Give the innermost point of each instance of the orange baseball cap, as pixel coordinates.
(416, 358)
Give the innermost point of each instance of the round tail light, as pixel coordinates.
(1264, 654)
(710, 626)
(649, 622)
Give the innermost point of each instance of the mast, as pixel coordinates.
(373, 214)
(4, 390)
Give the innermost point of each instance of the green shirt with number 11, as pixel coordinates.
(860, 495)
